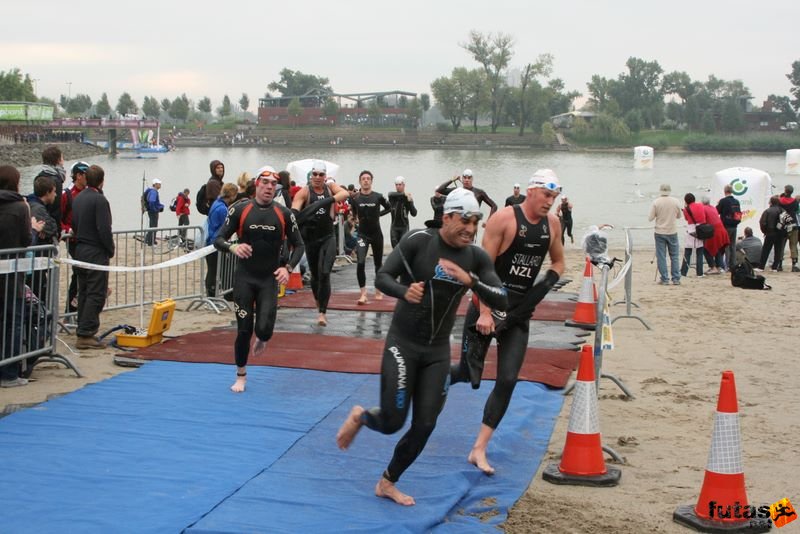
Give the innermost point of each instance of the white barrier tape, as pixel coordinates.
(186, 258)
(24, 265)
(621, 274)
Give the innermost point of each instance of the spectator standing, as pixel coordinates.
(694, 214)
(216, 217)
(154, 207)
(773, 237)
(53, 166)
(715, 245)
(790, 205)
(730, 211)
(78, 172)
(15, 232)
(44, 194)
(91, 222)
(665, 211)
(182, 211)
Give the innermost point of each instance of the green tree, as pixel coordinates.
(794, 79)
(244, 102)
(414, 111)
(641, 88)
(493, 52)
(634, 121)
(425, 101)
(543, 66)
(548, 135)
(451, 97)
(295, 110)
(330, 109)
(472, 84)
(678, 83)
(16, 87)
(102, 108)
(374, 111)
(783, 104)
(732, 119)
(79, 105)
(165, 104)
(402, 102)
(674, 112)
(707, 123)
(692, 113)
(126, 104)
(225, 109)
(580, 129)
(599, 96)
(296, 83)
(179, 108)
(204, 105)
(150, 107)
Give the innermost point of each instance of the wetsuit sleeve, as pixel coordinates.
(533, 297)
(411, 208)
(485, 198)
(308, 211)
(486, 283)
(395, 266)
(387, 208)
(229, 227)
(295, 241)
(446, 187)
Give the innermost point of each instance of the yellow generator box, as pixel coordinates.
(160, 321)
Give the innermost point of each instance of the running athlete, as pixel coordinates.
(466, 181)
(262, 226)
(435, 267)
(564, 213)
(367, 210)
(517, 239)
(313, 207)
(402, 205)
(516, 198)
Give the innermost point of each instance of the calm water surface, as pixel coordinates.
(603, 187)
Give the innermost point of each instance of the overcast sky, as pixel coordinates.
(204, 48)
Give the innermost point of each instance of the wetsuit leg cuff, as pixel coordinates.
(389, 477)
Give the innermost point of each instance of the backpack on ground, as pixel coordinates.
(173, 205)
(201, 202)
(743, 275)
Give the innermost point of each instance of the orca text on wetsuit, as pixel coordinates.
(367, 209)
(255, 289)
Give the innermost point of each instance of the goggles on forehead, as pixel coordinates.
(268, 178)
(550, 186)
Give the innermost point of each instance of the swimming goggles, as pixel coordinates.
(550, 186)
(466, 216)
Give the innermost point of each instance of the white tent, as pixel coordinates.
(300, 169)
(751, 187)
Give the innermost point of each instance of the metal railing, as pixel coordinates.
(29, 282)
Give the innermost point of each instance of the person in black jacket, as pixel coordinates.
(15, 232)
(91, 222)
(53, 166)
(730, 211)
(773, 237)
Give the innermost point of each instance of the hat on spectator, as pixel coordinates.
(156, 181)
(665, 190)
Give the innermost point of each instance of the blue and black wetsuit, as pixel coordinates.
(517, 266)
(318, 235)
(367, 209)
(255, 289)
(416, 357)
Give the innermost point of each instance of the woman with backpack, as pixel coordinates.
(694, 215)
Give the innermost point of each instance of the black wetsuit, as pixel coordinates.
(367, 209)
(416, 356)
(514, 200)
(480, 195)
(318, 235)
(401, 208)
(566, 221)
(517, 267)
(255, 288)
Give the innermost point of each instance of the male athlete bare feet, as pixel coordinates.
(350, 427)
(477, 457)
(258, 347)
(241, 380)
(387, 489)
(322, 321)
(378, 295)
(363, 298)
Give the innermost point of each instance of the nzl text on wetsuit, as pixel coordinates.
(416, 356)
(255, 289)
(367, 209)
(400, 209)
(318, 235)
(517, 267)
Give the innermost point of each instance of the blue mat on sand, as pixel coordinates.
(167, 448)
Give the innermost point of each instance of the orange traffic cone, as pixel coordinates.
(585, 315)
(722, 505)
(582, 462)
(295, 280)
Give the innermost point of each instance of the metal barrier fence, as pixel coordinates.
(29, 282)
(135, 287)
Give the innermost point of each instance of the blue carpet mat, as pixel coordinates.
(129, 455)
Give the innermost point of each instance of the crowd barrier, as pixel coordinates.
(29, 285)
(137, 276)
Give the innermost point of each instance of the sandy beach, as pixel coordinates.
(699, 329)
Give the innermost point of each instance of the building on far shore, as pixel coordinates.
(315, 109)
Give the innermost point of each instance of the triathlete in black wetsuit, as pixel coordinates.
(402, 206)
(367, 210)
(564, 213)
(517, 238)
(313, 206)
(435, 267)
(466, 180)
(516, 198)
(262, 226)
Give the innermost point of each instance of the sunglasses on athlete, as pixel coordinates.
(550, 186)
(317, 174)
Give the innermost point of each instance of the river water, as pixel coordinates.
(603, 187)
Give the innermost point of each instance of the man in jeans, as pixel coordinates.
(665, 211)
(730, 211)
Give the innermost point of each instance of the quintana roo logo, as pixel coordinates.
(739, 186)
